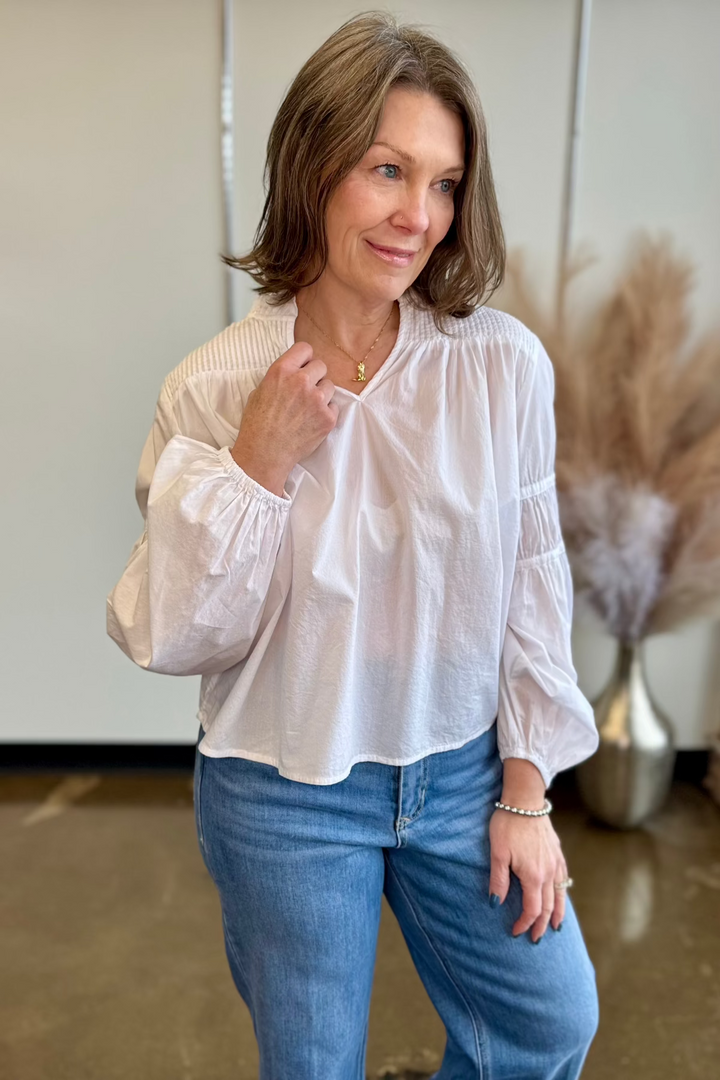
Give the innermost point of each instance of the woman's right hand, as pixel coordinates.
(286, 417)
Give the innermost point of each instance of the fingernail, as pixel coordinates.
(537, 941)
(494, 899)
(558, 927)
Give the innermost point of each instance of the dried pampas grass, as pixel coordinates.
(638, 447)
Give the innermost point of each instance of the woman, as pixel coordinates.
(351, 533)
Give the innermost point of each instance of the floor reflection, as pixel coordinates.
(113, 960)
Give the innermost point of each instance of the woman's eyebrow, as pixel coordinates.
(413, 161)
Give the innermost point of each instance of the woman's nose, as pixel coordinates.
(412, 213)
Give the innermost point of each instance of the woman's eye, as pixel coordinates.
(448, 191)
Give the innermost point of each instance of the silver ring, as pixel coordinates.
(563, 884)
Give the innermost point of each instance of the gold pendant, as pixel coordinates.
(361, 373)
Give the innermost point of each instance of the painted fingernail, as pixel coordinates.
(556, 928)
(494, 900)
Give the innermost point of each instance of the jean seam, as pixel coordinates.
(199, 767)
(423, 788)
(399, 824)
(476, 1021)
(205, 853)
(363, 1050)
(238, 961)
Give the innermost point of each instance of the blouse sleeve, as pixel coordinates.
(191, 597)
(543, 716)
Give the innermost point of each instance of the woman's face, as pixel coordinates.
(400, 198)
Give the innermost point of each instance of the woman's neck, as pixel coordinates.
(350, 319)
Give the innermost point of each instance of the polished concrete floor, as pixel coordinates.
(112, 962)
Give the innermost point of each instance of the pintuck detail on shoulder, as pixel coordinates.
(485, 324)
(247, 345)
(489, 324)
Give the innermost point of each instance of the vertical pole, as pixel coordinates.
(227, 148)
(572, 164)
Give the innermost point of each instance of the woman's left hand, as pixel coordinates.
(530, 847)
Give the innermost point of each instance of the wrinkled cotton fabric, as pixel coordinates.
(409, 587)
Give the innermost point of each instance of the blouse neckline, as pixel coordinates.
(287, 314)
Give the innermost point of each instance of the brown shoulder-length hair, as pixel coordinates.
(324, 127)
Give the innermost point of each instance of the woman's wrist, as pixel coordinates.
(523, 785)
(267, 475)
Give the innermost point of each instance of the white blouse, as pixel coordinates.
(410, 587)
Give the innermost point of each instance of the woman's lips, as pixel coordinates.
(391, 257)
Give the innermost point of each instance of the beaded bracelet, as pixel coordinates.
(547, 807)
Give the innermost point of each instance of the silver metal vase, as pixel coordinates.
(629, 776)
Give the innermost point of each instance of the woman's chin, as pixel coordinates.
(384, 287)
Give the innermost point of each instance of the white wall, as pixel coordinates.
(111, 220)
(110, 224)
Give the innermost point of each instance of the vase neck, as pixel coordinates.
(630, 656)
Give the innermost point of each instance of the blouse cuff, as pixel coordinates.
(540, 764)
(248, 484)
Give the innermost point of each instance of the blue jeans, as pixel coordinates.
(301, 869)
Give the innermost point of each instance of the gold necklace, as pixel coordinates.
(360, 363)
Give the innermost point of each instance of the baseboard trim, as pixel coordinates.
(690, 766)
(96, 757)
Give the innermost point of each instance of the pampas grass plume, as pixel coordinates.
(638, 444)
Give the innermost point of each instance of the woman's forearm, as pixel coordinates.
(523, 784)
